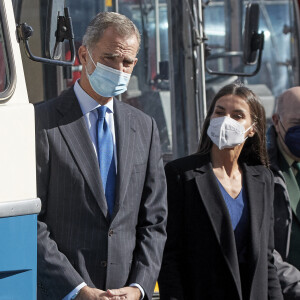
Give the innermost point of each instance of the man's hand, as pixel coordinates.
(88, 293)
(128, 293)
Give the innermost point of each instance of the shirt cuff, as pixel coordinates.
(74, 292)
(140, 288)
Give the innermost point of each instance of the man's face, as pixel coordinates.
(288, 116)
(114, 51)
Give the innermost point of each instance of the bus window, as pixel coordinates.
(148, 89)
(3, 64)
(7, 74)
(279, 59)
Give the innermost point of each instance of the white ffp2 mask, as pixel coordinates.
(226, 132)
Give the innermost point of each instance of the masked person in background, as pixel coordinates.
(284, 153)
(220, 200)
(100, 176)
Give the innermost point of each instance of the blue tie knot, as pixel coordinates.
(101, 111)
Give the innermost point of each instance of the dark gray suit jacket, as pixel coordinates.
(288, 274)
(77, 241)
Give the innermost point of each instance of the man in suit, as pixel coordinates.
(284, 153)
(100, 176)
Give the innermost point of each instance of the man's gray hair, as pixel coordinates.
(124, 27)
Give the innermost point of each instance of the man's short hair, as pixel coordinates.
(123, 26)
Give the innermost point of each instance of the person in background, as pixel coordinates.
(220, 224)
(100, 177)
(284, 153)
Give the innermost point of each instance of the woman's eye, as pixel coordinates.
(237, 117)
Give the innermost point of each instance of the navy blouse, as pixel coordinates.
(239, 214)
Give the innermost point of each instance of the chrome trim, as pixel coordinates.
(20, 208)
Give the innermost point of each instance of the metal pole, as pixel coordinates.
(202, 88)
(117, 6)
(158, 57)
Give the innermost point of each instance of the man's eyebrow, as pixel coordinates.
(129, 59)
(113, 55)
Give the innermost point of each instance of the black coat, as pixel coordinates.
(200, 259)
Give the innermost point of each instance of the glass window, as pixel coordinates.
(82, 12)
(148, 89)
(4, 71)
(6, 65)
(277, 72)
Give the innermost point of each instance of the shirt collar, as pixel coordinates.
(86, 102)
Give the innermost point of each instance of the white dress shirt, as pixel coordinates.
(89, 110)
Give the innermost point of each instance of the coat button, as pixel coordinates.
(103, 263)
(111, 232)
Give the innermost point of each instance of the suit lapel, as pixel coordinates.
(219, 217)
(255, 191)
(125, 139)
(73, 128)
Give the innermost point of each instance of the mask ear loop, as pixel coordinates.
(247, 130)
(91, 60)
(250, 127)
(283, 139)
(282, 125)
(90, 56)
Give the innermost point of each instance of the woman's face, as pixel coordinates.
(236, 108)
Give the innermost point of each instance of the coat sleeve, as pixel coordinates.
(170, 278)
(152, 219)
(56, 277)
(289, 277)
(274, 289)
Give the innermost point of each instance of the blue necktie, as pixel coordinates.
(106, 158)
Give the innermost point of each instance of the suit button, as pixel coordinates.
(111, 232)
(103, 263)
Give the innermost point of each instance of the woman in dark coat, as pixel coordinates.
(220, 224)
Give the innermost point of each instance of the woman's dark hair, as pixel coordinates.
(254, 151)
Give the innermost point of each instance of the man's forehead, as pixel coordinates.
(117, 50)
(109, 40)
(290, 109)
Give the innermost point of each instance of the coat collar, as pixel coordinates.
(220, 218)
(125, 128)
(74, 130)
(73, 127)
(255, 187)
(273, 151)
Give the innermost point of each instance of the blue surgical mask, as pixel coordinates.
(106, 81)
(292, 140)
